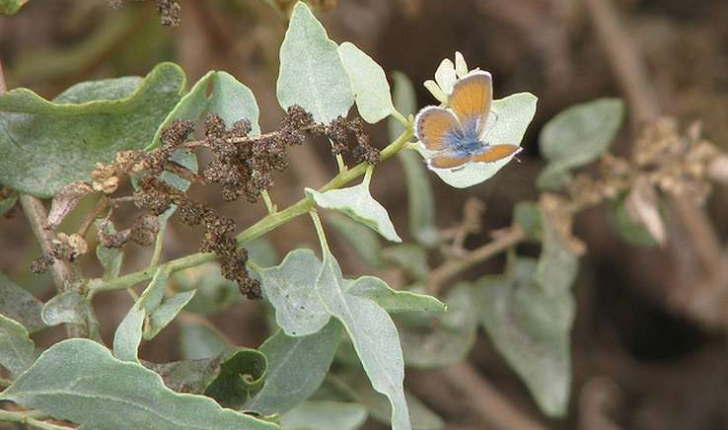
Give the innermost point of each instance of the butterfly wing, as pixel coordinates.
(492, 153)
(436, 127)
(471, 99)
(447, 160)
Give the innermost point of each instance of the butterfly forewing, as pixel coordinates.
(435, 127)
(492, 153)
(471, 99)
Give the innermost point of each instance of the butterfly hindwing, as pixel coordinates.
(435, 126)
(492, 153)
(471, 99)
(446, 160)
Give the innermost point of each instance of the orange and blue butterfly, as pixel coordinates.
(456, 135)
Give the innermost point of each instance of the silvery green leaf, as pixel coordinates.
(557, 265)
(364, 241)
(199, 339)
(531, 328)
(296, 368)
(410, 257)
(391, 300)
(373, 335)
(18, 304)
(507, 124)
(325, 415)
(78, 380)
(290, 288)
(371, 89)
(311, 72)
(357, 203)
(17, 351)
(576, 137)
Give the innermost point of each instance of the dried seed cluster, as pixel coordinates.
(168, 10)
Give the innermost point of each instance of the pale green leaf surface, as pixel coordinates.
(557, 265)
(233, 101)
(110, 258)
(18, 304)
(626, 229)
(165, 313)
(324, 415)
(9, 7)
(373, 334)
(296, 368)
(443, 339)
(392, 300)
(357, 203)
(290, 288)
(241, 375)
(311, 72)
(371, 89)
(364, 241)
(527, 216)
(8, 201)
(213, 294)
(78, 380)
(67, 307)
(531, 329)
(420, 200)
(47, 145)
(576, 137)
(199, 339)
(507, 124)
(17, 351)
(405, 102)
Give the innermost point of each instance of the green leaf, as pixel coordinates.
(262, 252)
(527, 215)
(8, 199)
(420, 200)
(405, 102)
(18, 304)
(47, 145)
(439, 340)
(296, 368)
(373, 334)
(199, 339)
(576, 137)
(9, 7)
(364, 241)
(507, 124)
(311, 72)
(357, 203)
(325, 415)
(110, 258)
(69, 307)
(557, 265)
(187, 376)
(410, 257)
(241, 375)
(78, 380)
(129, 333)
(233, 101)
(531, 329)
(290, 288)
(353, 384)
(627, 230)
(371, 89)
(214, 292)
(391, 300)
(17, 351)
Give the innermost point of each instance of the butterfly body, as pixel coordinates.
(455, 136)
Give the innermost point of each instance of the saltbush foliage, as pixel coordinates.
(339, 344)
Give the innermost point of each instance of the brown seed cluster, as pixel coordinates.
(168, 10)
(348, 135)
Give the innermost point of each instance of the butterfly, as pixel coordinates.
(455, 135)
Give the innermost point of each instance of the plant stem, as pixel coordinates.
(24, 418)
(268, 202)
(320, 232)
(438, 277)
(263, 226)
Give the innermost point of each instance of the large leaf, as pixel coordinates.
(296, 368)
(240, 376)
(442, 339)
(358, 203)
(17, 351)
(391, 300)
(410, 257)
(371, 89)
(325, 415)
(373, 334)
(557, 265)
(364, 241)
(18, 304)
(290, 288)
(47, 145)
(199, 339)
(78, 380)
(69, 307)
(576, 137)
(531, 328)
(507, 124)
(311, 72)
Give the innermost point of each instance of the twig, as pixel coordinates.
(438, 278)
(25, 418)
(102, 204)
(641, 95)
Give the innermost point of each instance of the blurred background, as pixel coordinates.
(643, 358)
